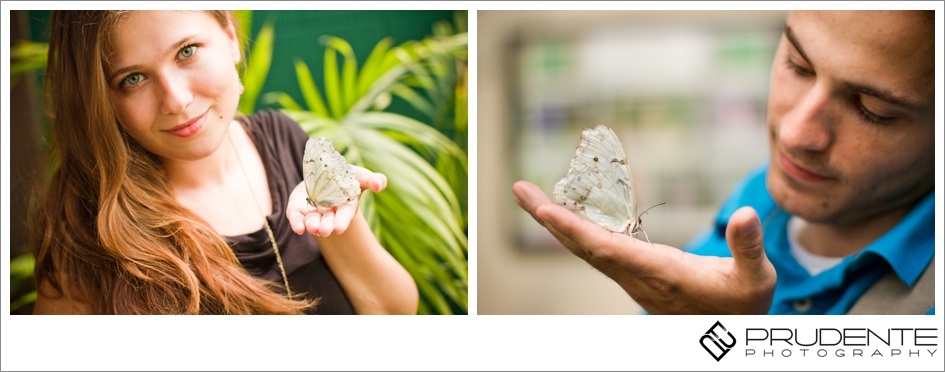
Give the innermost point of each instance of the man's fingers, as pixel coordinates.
(755, 274)
(593, 242)
(582, 237)
(529, 197)
(570, 245)
(746, 241)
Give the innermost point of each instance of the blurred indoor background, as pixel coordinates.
(686, 93)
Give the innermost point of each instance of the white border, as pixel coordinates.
(430, 343)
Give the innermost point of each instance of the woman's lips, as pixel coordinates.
(189, 128)
(798, 172)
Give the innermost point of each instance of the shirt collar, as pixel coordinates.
(910, 245)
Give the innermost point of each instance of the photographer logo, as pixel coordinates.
(717, 341)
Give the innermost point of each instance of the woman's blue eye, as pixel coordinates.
(133, 79)
(187, 51)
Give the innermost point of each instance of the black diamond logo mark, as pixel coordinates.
(719, 342)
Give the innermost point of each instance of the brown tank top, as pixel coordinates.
(281, 144)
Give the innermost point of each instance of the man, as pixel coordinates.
(846, 199)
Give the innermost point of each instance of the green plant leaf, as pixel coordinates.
(22, 265)
(416, 182)
(333, 81)
(414, 99)
(423, 202)
(418, 134)
(257, 68)
(390, 60)
(27, 56)
(313, 124)
(442, 28)
(382, 101)
(369, 210)
(349, 70)
(418, 197)
(371, 70)
(309, 91)
(380, 87)
(459, 18)
(282, 99)
(23, 301)
(21, 272)
(245, 19)
(427, 290)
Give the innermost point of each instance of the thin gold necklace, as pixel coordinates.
(272, 238)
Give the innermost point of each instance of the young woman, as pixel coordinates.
(163, 203)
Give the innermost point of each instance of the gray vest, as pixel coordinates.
(891, 296)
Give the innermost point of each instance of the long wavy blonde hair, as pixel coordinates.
(106, 231)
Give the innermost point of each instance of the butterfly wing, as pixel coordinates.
(619, 168)
(329, 180)
(599, 186)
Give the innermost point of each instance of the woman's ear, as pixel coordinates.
(234, 43)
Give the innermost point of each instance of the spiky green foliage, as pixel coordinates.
(421, 217)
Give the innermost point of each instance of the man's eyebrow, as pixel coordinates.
(793, 39)
(171, 49)
(887, 96)
(882, 94)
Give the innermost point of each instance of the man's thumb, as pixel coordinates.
(746, 240)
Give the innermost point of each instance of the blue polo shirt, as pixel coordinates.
(907, 249)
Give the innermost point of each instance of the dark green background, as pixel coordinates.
(297, 36)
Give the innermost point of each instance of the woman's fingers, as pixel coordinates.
(297, 222)
(343, 216)
(313, 222)
(295, 211)
(376, 182)
(323, 221)
(327, 224)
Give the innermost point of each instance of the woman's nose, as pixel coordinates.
(177, 94)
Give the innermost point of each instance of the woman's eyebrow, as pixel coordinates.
(172, 49)
(122, 70)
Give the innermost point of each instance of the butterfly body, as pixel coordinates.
(599, 186)
(329, 180)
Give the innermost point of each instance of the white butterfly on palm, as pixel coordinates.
(329, 180)
(599, 186)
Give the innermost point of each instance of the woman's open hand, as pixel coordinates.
(323, 221)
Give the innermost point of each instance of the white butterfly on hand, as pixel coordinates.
(329, 180)
(599, 186)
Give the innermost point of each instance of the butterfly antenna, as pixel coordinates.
(648, 209)
(640, 221)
